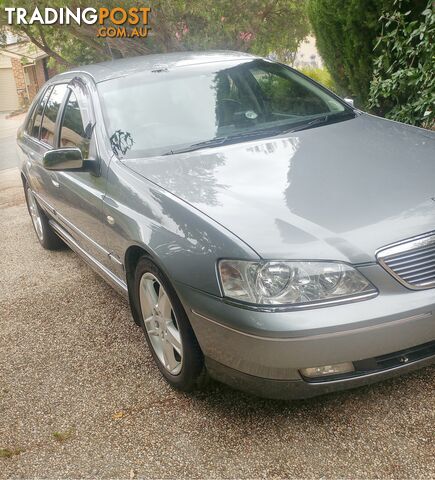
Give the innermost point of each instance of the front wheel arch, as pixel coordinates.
(131, 258)
(193, 372)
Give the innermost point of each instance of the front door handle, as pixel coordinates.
(55, 182)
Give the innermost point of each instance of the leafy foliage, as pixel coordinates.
(320, 75)
(403, 85)
(258, 26)
(346, 34)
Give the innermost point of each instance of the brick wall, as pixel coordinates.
(40, 73)
(20, 82)
(35, 79)
(32, 83)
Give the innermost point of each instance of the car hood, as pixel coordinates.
(337, 191)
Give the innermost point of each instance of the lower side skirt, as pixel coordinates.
(118, 284)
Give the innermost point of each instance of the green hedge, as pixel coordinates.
(403, 85)
(320, 75)
(346, 33)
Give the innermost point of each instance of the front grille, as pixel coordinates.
(412, 261)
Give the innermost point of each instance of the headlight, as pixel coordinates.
(282, 283)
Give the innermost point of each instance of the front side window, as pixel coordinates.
(48, 127)
(150, 113)
(35, 121)
(72, 133)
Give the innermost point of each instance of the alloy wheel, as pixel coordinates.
(161, 323)
(34, 214)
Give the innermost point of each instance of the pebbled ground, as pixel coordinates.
(81, 398)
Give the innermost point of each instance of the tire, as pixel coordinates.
(165, 324)
(45, 234)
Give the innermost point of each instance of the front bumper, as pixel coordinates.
(250, 349)
(298, 389)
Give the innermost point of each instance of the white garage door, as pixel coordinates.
(8, 91)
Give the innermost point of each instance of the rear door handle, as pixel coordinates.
(55, 182)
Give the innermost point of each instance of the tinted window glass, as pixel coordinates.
(283, 96)
(156, 113)
(72, 132)
(50, 114)
(35, 121)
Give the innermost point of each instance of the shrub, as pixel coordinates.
(320, 75)
(403, 85)
(346, 34)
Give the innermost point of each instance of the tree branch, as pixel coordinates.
(47, 49)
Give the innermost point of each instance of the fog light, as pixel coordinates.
(327, 370)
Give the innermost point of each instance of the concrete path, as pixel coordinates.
(8, 135)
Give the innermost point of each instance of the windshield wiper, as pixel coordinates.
(196, 146)
(228, 140)
(269, 132)
(322, 120)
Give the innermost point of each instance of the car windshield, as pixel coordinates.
(183, 109)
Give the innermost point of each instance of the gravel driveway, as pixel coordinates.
(80, 396)
(8, 142)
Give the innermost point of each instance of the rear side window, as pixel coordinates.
(48, 127)
(35, 121)
(72, 132)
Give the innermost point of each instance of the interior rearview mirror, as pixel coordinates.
(63, 159)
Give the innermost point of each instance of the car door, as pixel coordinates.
(33, 148)
(78, 203)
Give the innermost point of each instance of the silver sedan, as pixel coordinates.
(263, 230)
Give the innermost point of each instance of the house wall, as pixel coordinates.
(20, 81)
(8, 92)
(35, 78)
(35, 75)
(40, 73)
(5, 62)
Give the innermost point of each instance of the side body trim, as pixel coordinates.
(76, 230)
(110, 277)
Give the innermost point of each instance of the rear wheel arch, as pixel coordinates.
(47, 237)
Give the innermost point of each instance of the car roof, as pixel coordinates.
(147, 63)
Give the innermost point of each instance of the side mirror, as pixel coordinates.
(63, 159)
(349, 101)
